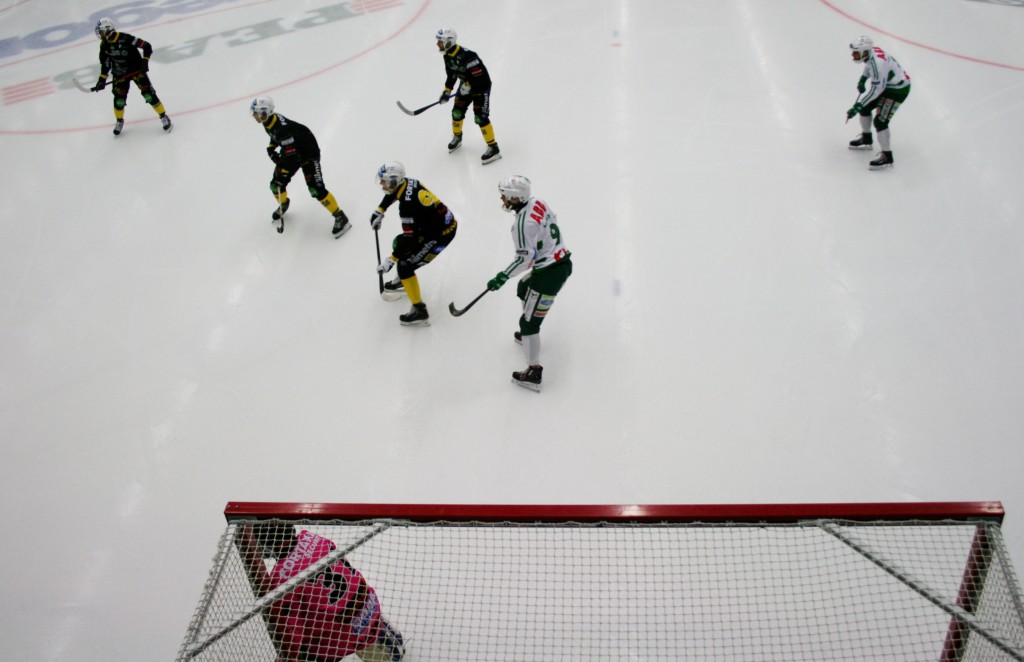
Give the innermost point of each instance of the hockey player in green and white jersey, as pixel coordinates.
(539, 248)
(890, 87)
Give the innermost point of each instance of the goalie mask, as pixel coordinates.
(274, 539)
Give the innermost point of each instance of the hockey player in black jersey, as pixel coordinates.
(119, 55)
(293, 147)
(465, 65)
(428, 227)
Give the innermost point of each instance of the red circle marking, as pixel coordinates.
(917, 43)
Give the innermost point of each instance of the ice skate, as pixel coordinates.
(455, 143)
(392, 641)
(417, 316)
(118, 126)
(393, 290)
(864, 141)
(491, 155)
(341, 224)
(884, 160)
(165, 121)
(529, 378)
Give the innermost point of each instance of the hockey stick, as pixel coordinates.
(456, 312)
(427, 107)
(380, 276)
(85, 89)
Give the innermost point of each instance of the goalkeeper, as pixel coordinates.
(334, 613)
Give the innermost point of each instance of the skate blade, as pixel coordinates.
(425, 322)
(496, 157)
(880, 167)
(527, 385)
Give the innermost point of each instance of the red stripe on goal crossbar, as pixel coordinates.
(969, 510)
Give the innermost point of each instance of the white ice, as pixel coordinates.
(754, 316)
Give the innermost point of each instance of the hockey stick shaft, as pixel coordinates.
(380, 276)
(427, 107)
(83, 88)
(456, 312)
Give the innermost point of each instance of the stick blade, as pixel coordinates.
(79, 85)
(404, 109)
(453, 310)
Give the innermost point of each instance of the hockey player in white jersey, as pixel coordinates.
(889, 87)
(539, 249)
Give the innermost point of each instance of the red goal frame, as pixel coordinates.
(975, 570)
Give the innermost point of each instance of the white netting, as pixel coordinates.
(814, 590)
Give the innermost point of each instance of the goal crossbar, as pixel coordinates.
(778, 513)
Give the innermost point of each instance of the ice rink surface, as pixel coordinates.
(754, 316)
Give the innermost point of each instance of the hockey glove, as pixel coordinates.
(145, 65)
(853, 111)
(495, 283)
(862, 84)
(272, 153)
(447, 94)
(386, 265)
(376, 219)
(465, 89)
(100, 84)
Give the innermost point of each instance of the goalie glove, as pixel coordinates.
(387, 265)
(495, 283)
(376, 219)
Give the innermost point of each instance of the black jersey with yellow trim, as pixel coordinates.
(462, 63)
(297, 142)
(120, 55)
(422, 213)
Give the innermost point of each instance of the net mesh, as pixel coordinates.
(815, 590)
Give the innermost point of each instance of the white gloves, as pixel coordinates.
(386, 265)
(464, 90)
(376, 219)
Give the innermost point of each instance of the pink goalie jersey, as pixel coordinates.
(333, 614)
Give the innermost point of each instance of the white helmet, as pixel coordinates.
(861, 46)
(515, 191)
(104, 27)
(262, 108)
(447, 38)
(390, 176)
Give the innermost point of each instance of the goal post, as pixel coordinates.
(855, 581)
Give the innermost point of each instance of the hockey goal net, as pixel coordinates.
(927, 581)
